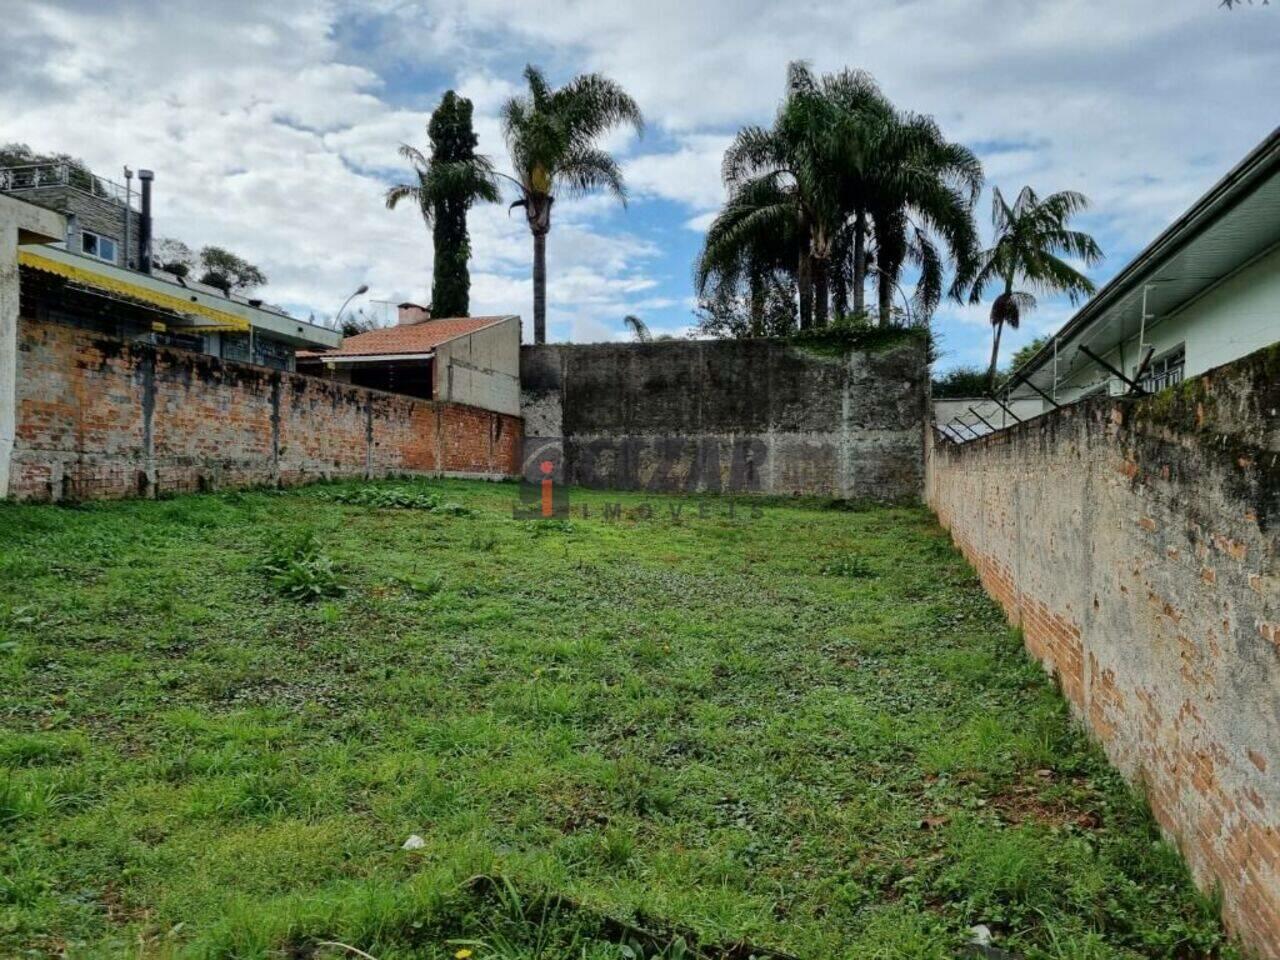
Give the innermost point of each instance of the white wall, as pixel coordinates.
(1238, 316)
(482, 368)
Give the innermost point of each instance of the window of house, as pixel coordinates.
(1165, 370)
(100, 248)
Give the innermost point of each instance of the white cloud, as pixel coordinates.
(273, 128)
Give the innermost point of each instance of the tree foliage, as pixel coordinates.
(639, 329)
(960, 382)
(1027, 351)
(739, 311)
(173, 256)
(21, 155)
(228, 271)
(842, 186)
(448, 183)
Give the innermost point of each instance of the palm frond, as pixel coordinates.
(638, 328)
(591, 104)
(588, 169)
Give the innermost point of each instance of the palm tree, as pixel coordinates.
(756, 234)
(804, 167)
(448, 183)
(639, 329)
(551, 135)
(1029, 237)
(839, 166)
(920, 196)
(868, 124)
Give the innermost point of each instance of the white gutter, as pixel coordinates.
(373, 358)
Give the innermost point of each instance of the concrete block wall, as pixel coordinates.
(1135, 542)
(730, 415)
(101, 417)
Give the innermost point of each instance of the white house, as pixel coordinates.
(1204, 292)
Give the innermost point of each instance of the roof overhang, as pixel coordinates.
(1226, 230)
(192, 310)
(342, 359)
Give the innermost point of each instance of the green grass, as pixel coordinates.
(798, 726)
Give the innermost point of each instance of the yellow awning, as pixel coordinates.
(207, 318)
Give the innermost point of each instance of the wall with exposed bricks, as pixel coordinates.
(1135, 542)
(102, 417)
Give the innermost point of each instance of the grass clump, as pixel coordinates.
(854, 567)
(300, 570)
(391, 498)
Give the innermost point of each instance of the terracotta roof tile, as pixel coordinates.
(414, 338)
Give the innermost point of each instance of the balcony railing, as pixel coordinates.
(61, 174)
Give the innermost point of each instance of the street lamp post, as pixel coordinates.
(337, 319)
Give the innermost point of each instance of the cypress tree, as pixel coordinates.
(452, 140)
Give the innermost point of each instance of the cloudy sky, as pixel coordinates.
(273, 127)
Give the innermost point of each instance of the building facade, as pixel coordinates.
(1202, 294)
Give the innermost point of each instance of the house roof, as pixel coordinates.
(1235, 222)
(416, 338)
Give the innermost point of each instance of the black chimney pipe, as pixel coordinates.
(144, 228)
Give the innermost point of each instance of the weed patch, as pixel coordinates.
(300, 570)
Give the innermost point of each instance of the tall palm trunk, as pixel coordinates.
(537, 208)
(757, 304)
(539, 286)
(995, 340)
(859, 261)
(804, 280)
(995, 356)
(821, 298)
(884, 291)
(839, 291)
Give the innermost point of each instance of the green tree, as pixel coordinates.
(796, 173)
(741, 310)
(920, 199)
(229, 272)
(1030, 239)
(839, 166)
(78, 175)
(639, 329)
(448, 184)
(173, 256)
(753, 241)
(1027, 351)
(552, 136)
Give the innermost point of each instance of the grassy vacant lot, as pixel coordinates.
(806, 729)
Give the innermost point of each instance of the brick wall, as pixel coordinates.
(1135, 542)
(102, 417)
